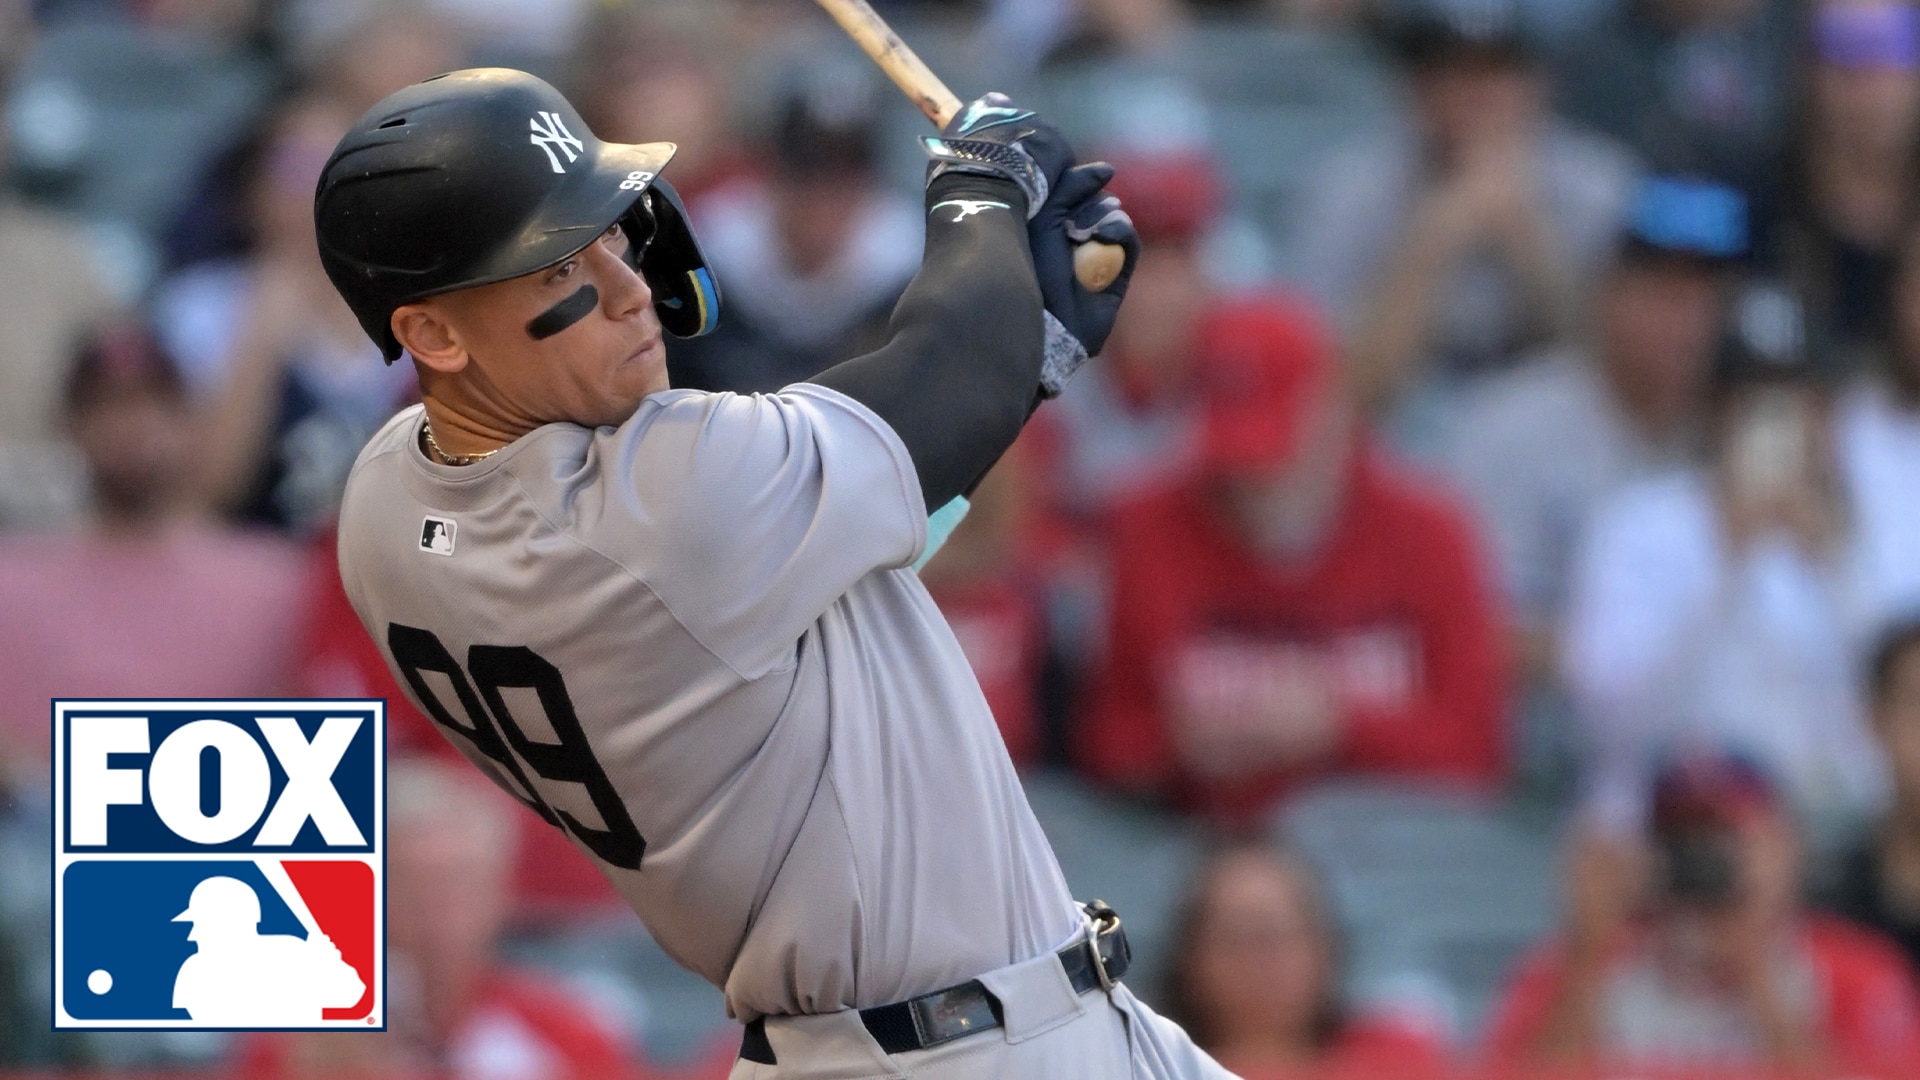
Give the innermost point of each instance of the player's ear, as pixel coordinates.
(423, 329)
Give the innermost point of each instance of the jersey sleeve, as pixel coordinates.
(755, 513)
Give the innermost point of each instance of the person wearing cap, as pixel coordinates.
(1537, 448)
(744, 706)
(815, 250)
(1732, 601)
(1130, 424)
(1692, 948)
(1857, 163)
(1300, 606)
(1452, 244)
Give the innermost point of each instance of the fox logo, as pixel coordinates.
(219, 864)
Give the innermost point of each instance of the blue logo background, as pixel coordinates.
(118, 919)
(137, 828)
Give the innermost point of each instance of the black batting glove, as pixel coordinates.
(992, 136)
(1078, 212)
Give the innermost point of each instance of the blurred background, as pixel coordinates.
(1468, 622)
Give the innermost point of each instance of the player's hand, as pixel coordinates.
(1079, 212)
(991, 136)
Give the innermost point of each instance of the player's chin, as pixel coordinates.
(629, 382)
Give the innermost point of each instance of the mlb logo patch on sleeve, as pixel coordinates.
(219, 864)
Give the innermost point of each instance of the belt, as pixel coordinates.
(970, 1008)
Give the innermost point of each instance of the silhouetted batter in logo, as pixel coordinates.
(243, 978)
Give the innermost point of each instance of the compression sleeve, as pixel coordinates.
(960, 372)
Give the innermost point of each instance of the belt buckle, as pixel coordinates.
(1100, 919)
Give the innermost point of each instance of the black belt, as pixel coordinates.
(970, 1008)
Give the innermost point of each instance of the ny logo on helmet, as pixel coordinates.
(554, 133)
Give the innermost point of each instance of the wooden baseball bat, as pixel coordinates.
(1095, 263)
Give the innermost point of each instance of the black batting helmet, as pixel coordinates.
(487, 174)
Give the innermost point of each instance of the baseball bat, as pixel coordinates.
(1095, 263)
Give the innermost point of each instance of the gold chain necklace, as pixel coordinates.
(426, 430)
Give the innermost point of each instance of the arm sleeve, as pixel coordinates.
(753, 514)
(960, 372)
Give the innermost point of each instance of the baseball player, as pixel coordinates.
(680, 625)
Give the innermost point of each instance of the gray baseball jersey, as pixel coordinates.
(692, 641)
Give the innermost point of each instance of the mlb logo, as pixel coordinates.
(219, 864)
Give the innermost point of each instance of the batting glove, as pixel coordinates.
(992, 136)
(1078, 319)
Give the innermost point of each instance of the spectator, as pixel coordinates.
(1256, 976)
(986, 585)
(294, 386)
(1729, 603)
(1879, 884)
(1724, 967)
(1857, 164)
(1540, 447)
(148, 599)
(1302, 606)
(53, 291)
(1693, 86)
(455, 1010)
(1451, 245)
(1129, 424)
(1879, 424)
(815, 253)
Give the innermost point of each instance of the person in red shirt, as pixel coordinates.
(1256, 978)
(1720, 966)
(150, 596)
(1129, 424)
(1303, 606)
(453, 1009)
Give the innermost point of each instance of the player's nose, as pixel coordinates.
(625, 293)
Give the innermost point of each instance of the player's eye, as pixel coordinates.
(563, 272)
(616, 239)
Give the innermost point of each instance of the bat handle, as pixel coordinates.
(1096, 264)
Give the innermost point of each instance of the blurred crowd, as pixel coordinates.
(1469, 616)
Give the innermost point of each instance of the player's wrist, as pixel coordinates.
(979, 187)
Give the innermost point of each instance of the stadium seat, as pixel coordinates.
(115, 123)
(1428, 883)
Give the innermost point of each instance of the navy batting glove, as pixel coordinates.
(992, 136)
(1079, 212)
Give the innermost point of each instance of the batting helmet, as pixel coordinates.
(223, 901)
(487, 174)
